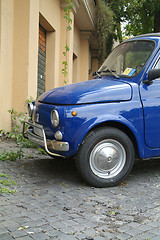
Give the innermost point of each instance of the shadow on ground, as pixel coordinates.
(64, 170)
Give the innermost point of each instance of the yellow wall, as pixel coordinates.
(76, 56)
(6, 61)
(25, 52)
(84, 59)
(19, 36)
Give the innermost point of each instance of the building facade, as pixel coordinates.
(32, 41)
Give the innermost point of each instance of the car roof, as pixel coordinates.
(148, 35)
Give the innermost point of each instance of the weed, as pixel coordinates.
(6, 190)
(2, 133)
(12, 155)
(31, 99)
(17, 126)
(16, 134)
(4, 175)
(42, 151)
(23, 228)
(6, 181)
(112, 213)
(20, 140)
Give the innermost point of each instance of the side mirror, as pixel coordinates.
(153, 74)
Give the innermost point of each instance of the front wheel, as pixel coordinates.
(105, 157)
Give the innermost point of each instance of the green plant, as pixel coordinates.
(12, 155)
(23, 141)
(3, 134)
(41, 151)
(17, 119)
(6, 181)
(112, 213)
(67, 16)
(16, 134)
(17, 124)
(31, 99)
(6, 190)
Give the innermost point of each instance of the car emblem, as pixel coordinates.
(37, 117)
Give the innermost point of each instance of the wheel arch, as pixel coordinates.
(124, 129)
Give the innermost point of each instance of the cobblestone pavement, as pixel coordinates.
(52, 202)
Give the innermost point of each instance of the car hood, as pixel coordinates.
(92, 91)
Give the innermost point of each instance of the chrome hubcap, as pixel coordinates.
(107, 158)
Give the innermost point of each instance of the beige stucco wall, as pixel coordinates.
(25, 50)
(6, 61)
(84, 59)
(76, 52)
(19, 35)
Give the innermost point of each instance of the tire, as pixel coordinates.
(105, 157)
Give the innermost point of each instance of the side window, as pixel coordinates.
(157, 64)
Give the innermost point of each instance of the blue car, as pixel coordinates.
(107, 122)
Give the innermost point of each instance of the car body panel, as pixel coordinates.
(97, 90)
(127, 102)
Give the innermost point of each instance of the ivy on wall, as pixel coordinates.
(67, 16)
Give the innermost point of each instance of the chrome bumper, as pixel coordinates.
(35, 133)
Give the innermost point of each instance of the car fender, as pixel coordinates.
(107, 119)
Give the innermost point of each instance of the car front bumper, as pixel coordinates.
(36, 134)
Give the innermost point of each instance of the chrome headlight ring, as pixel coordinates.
(55, 118)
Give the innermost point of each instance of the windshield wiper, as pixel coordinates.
(97, 74)
(109, 70)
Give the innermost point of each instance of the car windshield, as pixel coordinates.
(127, 59)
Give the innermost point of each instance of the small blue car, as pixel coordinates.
(107, 122)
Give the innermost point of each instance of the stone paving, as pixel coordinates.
(52, 202)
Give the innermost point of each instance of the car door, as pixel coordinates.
(150, 96)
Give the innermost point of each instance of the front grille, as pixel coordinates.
(38, 131)
(33, 116)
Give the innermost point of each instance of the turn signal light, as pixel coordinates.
(74, 113)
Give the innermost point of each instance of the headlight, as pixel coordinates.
(55, 118)
(31, 108)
